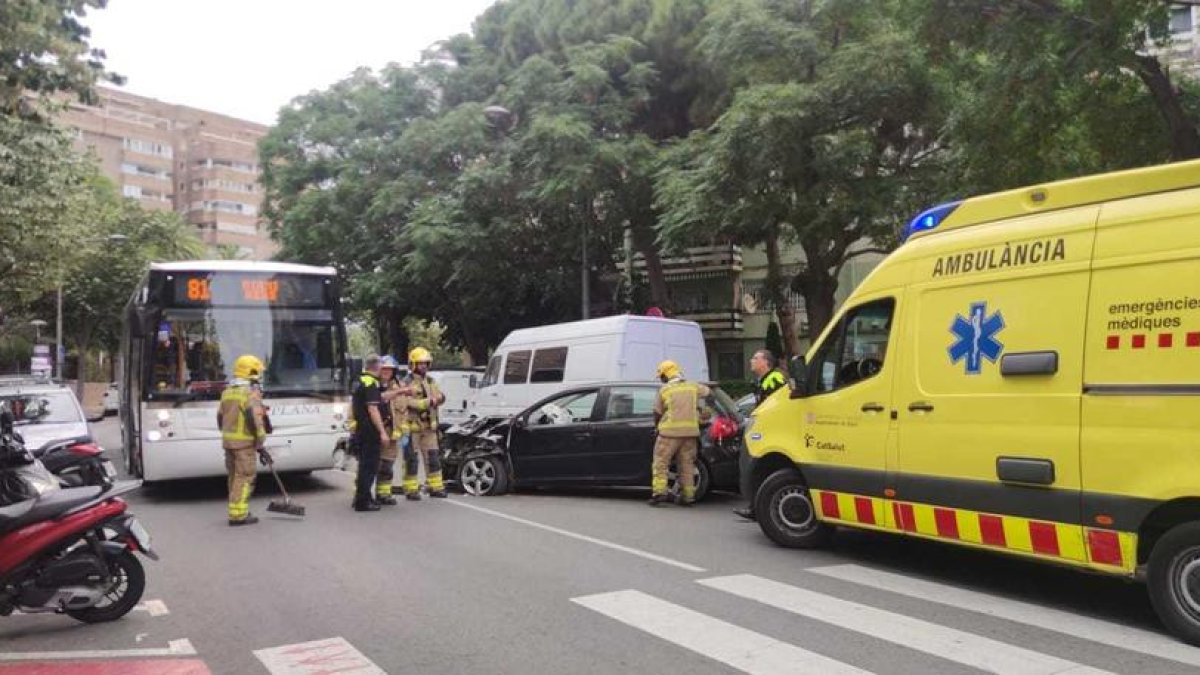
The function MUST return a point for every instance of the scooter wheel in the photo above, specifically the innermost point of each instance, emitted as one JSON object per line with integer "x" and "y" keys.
{"x": 127, "y": 589}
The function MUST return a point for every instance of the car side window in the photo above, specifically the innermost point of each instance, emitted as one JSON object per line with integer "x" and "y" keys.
{"x": 856, "y": 350}
{"x": 573, "y": 408}
{"x": 627, "y": 403}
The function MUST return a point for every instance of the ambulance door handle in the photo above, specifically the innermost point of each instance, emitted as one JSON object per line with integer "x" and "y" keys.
{"x": 920, "y": 406}
{"x": 872, "y": 408}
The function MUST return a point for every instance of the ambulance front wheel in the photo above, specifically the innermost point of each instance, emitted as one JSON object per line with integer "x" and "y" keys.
{"x": 785, "y": 512}
{"x": 1174, "y": 581}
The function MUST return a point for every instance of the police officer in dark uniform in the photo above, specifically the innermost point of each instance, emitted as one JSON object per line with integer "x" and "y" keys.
{"x": 371, "y": 432}
{"x": 770, "y": 379}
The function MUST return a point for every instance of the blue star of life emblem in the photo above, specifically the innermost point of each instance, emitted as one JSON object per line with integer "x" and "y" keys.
{"x": 976, "y": 338}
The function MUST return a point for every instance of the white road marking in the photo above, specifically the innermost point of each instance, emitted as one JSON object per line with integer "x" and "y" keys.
{"x": 732, "y": 645}
{"x": 321, "y": 656}
{"x": 582, "y": 537}
{"x": 174, "y": 648}
{"x": 948, "y": 643}
{"x": 1085, "y": 627}
{"x": 152, "y": 607}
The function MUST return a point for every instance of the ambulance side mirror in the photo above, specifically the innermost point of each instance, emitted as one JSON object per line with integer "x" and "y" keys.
{"x": 798, "y": 372}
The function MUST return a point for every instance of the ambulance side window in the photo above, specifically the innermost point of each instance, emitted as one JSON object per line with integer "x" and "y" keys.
{"x": 856, "y": 350}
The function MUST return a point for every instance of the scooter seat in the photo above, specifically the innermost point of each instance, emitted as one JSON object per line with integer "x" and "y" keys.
{"x": 46, "y": 507}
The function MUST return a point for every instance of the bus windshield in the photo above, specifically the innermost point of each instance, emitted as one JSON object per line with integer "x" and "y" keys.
{"x": 192, "y": 351}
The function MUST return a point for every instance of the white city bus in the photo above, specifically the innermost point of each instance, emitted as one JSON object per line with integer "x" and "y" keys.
{"x": 185, "y": 326}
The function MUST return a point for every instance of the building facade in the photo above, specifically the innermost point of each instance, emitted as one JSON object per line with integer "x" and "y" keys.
{"x": 723, "y": 288}
{"x": 200, "y": 164}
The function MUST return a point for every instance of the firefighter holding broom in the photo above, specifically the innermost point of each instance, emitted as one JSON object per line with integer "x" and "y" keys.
{"x": 242, "y": 422}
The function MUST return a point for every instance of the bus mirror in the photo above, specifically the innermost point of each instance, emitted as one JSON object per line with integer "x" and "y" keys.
{"x": 798, "y": 371}
{"x": 473, "y": 382}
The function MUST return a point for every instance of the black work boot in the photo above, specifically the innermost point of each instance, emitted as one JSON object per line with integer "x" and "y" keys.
{"x": 386, "y": 500}
{"x": 681, "y": 500}
{"x": 656, "y": 499}
{"x": 248, "y": 520}
{"x": 366, "y": 505}
{"x": 412, "y": 496}
{"x": 438, "y": 494}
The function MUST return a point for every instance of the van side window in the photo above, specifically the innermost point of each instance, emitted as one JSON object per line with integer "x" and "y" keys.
{"x": 549, "y": 365}
{"x": 516, "y": 368}
{"x": 855, "y": 351}
{"x": 492, "y": 376}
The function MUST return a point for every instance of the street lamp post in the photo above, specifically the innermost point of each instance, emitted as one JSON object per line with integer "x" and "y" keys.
{"x": 58, "y": 330}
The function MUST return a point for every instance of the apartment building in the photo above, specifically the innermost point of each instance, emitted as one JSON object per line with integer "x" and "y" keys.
{"x": 200, "y": 164}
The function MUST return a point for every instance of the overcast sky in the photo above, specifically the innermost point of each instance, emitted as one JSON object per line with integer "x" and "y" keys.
{"x": 247, "y": 58}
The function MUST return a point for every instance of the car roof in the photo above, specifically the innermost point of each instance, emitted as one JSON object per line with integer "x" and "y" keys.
{"x": 28, "y": 385}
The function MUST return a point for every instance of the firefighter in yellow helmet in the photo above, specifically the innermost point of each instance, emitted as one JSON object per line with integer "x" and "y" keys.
{"x": 243, "y": 426}
{"x": 395, "y": 424}
{"x": 421, "y": 405}
{"x": 677, "y": 411}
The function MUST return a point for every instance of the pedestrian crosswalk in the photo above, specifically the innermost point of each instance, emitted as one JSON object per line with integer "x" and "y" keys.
{"x": 756, "y": 652}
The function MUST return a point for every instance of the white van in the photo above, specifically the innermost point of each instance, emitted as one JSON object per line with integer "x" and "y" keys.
{"x": 533, "y": 363}
{"x": 455, "y": 383}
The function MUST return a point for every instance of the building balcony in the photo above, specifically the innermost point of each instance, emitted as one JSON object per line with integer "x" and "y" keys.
{"x": 715, "y": 323}
{"x": 699, "y": 262}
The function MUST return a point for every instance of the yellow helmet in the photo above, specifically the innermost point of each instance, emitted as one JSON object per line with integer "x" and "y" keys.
{"x": 248, "y": 367}
{"x": 419, "y": 355}
{"x": 669, "y": 370}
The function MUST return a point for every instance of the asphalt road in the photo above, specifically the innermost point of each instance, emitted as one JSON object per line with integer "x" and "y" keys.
{"x": 583, "y": 582}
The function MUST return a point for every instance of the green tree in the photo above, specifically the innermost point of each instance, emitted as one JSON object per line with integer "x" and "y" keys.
{"x": 828, "y": 140}
{"x": 44, "y": 50}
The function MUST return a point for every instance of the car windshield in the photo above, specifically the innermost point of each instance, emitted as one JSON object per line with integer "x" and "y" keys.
{"x": 51, "y": 407}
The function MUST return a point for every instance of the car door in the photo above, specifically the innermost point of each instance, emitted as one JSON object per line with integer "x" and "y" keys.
{"x": 623, "y": 434}
{"x": 552, "y": 441}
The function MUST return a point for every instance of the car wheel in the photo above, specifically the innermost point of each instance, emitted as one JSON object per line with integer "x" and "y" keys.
{"x": 1174, "y": 581}
{"x": 701, "y": 480}
{"x": 785, "y": 512}
{"x": 483, "y": 476}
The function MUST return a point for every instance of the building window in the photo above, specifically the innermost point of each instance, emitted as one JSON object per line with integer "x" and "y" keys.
{"x": 147, "y": 171}
{"x": 1181, "y": 20}
{"x": 234, "y": 228}
{"x": 225, "y": 207}
{"x": 148, "y": 147}
{"x": 131, "y": 191}
{"x": 731, "y": 366}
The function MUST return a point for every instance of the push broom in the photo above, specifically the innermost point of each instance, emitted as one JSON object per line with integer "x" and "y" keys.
{"x": 286, "y": 506}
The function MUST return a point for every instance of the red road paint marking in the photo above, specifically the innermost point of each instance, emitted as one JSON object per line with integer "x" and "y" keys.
{"x": 321, "y": 657}
{"x": 113, "y": 667}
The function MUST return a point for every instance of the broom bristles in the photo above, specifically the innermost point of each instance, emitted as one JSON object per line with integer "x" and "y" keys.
{"x": 290, "y": 509}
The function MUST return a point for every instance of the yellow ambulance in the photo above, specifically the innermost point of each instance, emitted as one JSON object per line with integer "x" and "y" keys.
{"x": 1021, "y": 375}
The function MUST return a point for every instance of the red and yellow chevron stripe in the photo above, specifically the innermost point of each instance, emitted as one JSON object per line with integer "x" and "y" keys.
{"x": 1092, "y": 547}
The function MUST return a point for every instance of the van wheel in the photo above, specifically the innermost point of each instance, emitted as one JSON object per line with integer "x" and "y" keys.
{"x": 1174, "y": 581}
{"x": 785, "y": 512}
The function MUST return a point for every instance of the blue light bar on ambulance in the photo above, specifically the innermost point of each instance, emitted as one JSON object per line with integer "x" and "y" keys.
{"x": 930, "y": 218}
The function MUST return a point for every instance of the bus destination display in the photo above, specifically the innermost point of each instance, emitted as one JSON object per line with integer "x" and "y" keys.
{"x": 222, "y": 289}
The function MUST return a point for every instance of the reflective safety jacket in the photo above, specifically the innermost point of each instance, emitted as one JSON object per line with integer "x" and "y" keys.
{"x": 770, "y": 382}
{"x": 421, "y": 405}
{"x": 677, "y": 408}
{"x": 240, "y": 418}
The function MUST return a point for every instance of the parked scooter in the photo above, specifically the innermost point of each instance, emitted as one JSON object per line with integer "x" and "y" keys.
{"x": 65, "y": 550}
{"x": 78, "y": 463}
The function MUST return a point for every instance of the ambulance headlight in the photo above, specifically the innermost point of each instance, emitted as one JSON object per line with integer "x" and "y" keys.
{"x": 154, "y": 436}
{"x": 164, "y": 416}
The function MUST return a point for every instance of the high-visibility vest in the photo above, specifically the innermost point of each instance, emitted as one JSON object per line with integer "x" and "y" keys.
{"x": 237, "y": 416}
{"x": 681, "y": 409}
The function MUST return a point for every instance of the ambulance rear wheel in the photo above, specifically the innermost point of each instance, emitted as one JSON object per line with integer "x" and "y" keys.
{"x": 785, "y": 512}
{"x": 1174, "y": 581}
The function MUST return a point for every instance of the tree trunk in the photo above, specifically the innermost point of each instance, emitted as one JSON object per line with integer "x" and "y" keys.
{"x": 1185, "y": 139}
{"x": 81, "y": 369}
{"x": 643, "y": 241}
{"x": 784, "y": 312}
{"x": 397, "y": 337}
{"x": 477, "y": 350}
{"x": 819, "y": 290}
